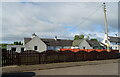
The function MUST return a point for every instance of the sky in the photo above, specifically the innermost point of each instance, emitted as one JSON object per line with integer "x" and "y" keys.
{"x": 61, "y": 19}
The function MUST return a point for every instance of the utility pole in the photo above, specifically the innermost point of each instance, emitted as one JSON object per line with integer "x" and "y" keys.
{"x": 106, "y": 27}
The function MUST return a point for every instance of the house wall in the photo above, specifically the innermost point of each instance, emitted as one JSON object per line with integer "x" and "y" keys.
{"x": 57, "y": 47}
{"x": 104, "y": 40}
{"x": 18, "y": 47}
{"x": 53, "y": 47}
{"x": 119, "y": 48}
{"x": 84, "y": 44}
{"x": 41, "y": 46}
{"x": 67, "y": 47}
{"x": 114, "y": 45}
{"x": 75, "y": 47}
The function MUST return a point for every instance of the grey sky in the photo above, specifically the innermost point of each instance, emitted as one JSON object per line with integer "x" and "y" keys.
{"x": 64, "y": 19}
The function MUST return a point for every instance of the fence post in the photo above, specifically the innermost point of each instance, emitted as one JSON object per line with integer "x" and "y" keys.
{"x": 45, "y": 58}
{"x": 74, "y": 57}
{"x": 39, "y": 58}
{"x": 18, "y": 59}
{"x": 58, "y": 57}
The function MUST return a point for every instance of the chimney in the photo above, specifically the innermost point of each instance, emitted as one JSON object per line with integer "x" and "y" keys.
{"x": 33, "y": 35}
{"x": 56, "y": 38}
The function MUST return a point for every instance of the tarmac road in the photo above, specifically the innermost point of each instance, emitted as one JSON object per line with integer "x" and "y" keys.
{"x": 101, "y": 69}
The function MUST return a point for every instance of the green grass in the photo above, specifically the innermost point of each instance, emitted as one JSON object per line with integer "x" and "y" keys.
{"x": 4, "y": 46}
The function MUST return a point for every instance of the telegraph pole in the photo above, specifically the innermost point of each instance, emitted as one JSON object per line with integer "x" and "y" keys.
{"x": 106, "y": 27}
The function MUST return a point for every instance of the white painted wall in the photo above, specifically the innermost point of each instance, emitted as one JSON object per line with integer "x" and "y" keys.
{"x": 84, "y": 44}
{"x": 36, "y": 42}
{"x": 104, "y": 40}
{"x": 54, "y": 47}
{"x": 67, "y": 47}
{"x": 57, "y": 47}
{"x": 75, "y": 47}
{"x": 50, "y": 48}
{"x": 18, "y": 47}
{"x": 114, "y": 45}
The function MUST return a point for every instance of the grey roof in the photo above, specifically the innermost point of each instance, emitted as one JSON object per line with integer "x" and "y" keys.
{"x": 53, "y": 42}
{"x": 114, "y": 39}
{"x": 26, "y": 40}
{"x": 58, "y": 42}
{"x": 93, "y": 43}
{"x": 77, "y": 42}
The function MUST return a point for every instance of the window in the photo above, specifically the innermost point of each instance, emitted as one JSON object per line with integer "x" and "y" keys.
{"x": 83, "y": 47}
{"x": 105, "y": 41}
{"x": 35, "y": 47}
{"x": 13, "y": 49}
{"x": 93, "y": 47}
{"x": 116, "y": 48}
{"x": 22, "y": 49}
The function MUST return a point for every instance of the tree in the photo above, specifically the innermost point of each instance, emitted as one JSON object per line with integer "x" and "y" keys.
{"x": 18, "y": 43}
{"x": 15, "y": 43}
{"x": 81, "y": 36}
{"x": 3, "y": 46}
{"x": 94, "y": 39}
{"x": 77, "y": 37}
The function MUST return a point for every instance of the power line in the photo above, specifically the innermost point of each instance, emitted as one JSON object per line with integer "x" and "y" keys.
{"x": 90, "y": 15}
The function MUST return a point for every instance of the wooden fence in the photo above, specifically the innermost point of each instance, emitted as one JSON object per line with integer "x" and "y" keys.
{"x": 33, "y": 57}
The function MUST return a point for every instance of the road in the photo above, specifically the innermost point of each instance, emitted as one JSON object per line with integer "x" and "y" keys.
{"x": 101, "y": 69}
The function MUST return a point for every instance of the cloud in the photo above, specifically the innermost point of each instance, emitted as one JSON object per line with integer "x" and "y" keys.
{"x": 59, "y": 0}
{"x": 21, "y": 19}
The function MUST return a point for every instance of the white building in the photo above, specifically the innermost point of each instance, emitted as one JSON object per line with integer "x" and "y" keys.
{"x": 35, "y": 43}
{"x": 87, "y": 44}
{"x": 41, "y": 44}
{"x": 17, "y": 48}
{"x": 114, "y": 42}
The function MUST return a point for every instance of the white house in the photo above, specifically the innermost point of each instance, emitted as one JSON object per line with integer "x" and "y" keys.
{"x": 17, "y": 48}
{"x": 35, "y": 43}
{"x": 41, "y": 44}
{"x": 87, "y": 44}
{"x": 113, "y": 41}
{"x": 75, "y": 44}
